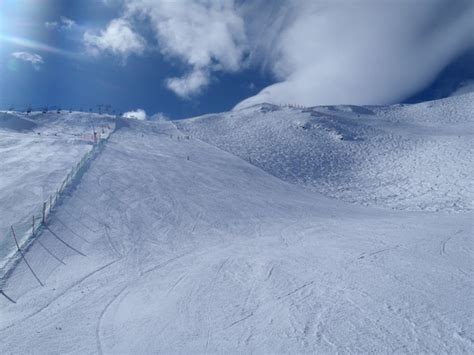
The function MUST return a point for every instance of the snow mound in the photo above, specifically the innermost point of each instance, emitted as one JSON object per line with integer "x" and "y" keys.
{"x": 15, "y": 122}
{"x": 411, "y": 157}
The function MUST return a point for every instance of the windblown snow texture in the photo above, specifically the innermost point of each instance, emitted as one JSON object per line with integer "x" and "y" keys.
{"x": 411, "y": 157}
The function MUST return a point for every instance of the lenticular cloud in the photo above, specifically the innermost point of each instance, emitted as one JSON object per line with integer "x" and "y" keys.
{"x": 366, "y": 52}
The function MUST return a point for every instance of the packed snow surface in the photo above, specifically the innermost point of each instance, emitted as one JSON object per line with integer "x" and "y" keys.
{"x": 170, "y": 244}
{"x": 36, "y": 153}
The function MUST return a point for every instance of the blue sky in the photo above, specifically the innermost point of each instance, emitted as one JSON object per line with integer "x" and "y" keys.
{"x": 78, "y": 80}
{"x": 189, "y": 57}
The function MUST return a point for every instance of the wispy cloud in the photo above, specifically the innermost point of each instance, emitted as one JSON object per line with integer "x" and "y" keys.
{"x": 118, "y": 38}
{"x": 138, "y": 114}
{"x": 63, "y": 23}
{"x": 51, "y": 25}
{"x": 67, "y": 22}
{"x": 35, "y": 59}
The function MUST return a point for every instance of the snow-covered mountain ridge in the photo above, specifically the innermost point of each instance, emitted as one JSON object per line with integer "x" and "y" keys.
{"x": 413, "y": 157}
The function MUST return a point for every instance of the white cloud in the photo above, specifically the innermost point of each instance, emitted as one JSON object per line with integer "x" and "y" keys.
{"x": 366, "y": 52}
{"x": 138, "y": 114}
{"x": 35, "y": 59}
{"x": 118, "y": 38}
{"x": 67, "y": 22}
{"x": 190, "y": 84}
{"x": 207, "y": 36}
{"x": 159, "y": 116}
{"x": 201, "y": 33}
{"x": 319, "y": 51}
{"x": 64, "y": 23}
{"x": 51, "y": 25}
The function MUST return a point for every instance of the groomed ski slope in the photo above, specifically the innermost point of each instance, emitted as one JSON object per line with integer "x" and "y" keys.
{"x": 37, "y": 151}
{"x": 190, "y": 249}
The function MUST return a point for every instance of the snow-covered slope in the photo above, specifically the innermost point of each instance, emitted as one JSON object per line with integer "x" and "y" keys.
{"x": 415, "y": 157}
{"x": 466, "y": 87}
{"x": 173, "y": 245}
{"x": 36, "y": 153}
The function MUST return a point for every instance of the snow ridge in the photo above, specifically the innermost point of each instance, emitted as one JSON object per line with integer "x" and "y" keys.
{"x": 410, "y": 157}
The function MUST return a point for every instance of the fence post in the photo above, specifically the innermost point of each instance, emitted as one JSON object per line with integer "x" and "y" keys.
{"x": 33, "y": 226}
{"x": 62, "y": 241}
{"x": 7, "y": 297}
{"x": 44, "y": 212}
{"x": 23, "y": 256}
